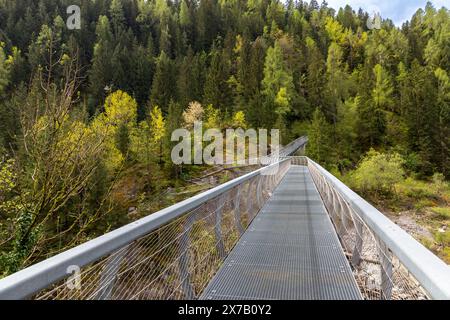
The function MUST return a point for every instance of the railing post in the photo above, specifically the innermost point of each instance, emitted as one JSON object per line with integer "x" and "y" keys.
{"x": 237, "y": 211}
{"x": 357, "y": 250}
{"x": 258, "y": 192}
{"x": 109, "y": 274}
{"x": 218, "y": 227}
{"x": 386, "y": 271}
{"x": 338, "y": 206}
{"x": 184, "y": 258}
{"x": 250, "y": 196}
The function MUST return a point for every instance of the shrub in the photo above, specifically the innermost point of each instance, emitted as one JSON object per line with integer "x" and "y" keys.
{"x": 378, "y": 172}
{"x": 441, "y": 186}
{"x": 411, "y": 162}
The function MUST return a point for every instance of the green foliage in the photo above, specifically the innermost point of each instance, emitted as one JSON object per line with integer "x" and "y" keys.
{"x": 23, "y": 243}
{"x": 417, "y": 189}
{"x": 300, "y": 128}
{"x": 4, "y": 73}
{"x": 239, "y": 120}
{"x": 157, "y": 132}
{"x": 116, "y": 124}
{"x": 277, "y": 85}
{"x": 101, "y": 71}
{"x": 443, "y": 238}
{"x": 122, "y": 138}
{"x": 382, "y": 91}
{"x": 163, "y": 83}
{"x": 212, "y": 116}
{"x": 319, "y": 146}
{"x": 217, "y": 90}
{"x": 378, "y": 173}
{"x": 442, "y": 212}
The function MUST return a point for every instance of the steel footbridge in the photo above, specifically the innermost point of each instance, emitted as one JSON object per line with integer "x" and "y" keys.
{"x": 289, "y": 230}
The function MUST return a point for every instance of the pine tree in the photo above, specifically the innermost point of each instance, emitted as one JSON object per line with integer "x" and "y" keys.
{"x": 443, "y": 127}
{"x": 165, "y": 37}
{"x": 217, "y": 90}
{"x": 117, "y": 15}
{"x": 101, "y": 73}
{"x": 383, "y": 89}
{"x": 122, "y": 139}
{"x": 319, "y": 144}
{"x": 371, "y": 117}
{"x": 141, "y": 76}
{"x": 185, "y": 17}
{"x": 4, "y": 72}
{"x": 278, "y": 87}
{"x": 315, "y": 80}
{"x": 174, "y": 121}
{"x": 337, "y": 86}
{"x": 313, "y": 5}
{"x": 207, "y": 23}
{"x": 187, "y": 80}
{"x": 421, "y": 116}
{"x": 253, "y": 84}
{"x": 163, "y": 86}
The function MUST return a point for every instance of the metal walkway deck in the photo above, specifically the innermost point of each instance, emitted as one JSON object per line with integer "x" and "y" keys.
{"x": 290, "y": 251}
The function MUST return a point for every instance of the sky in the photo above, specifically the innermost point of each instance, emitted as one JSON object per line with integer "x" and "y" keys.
{"x": 398, "y": 11}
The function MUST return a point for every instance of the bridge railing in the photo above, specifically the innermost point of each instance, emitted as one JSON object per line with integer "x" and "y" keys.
{"x": 171, "y": 254}
{"x": 293, "y": 147}
{"x": 284, "y": 152}
{"x": 387, "y": 262}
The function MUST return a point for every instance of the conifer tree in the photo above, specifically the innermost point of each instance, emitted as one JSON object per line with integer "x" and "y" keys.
{"x": 101, "y": 73}
{"x": 4, "y": 72}
{"x": 163, "y": 86}
{"x": 217, "y": 90}
{"x": 277, "y": 85}
{"x": 319, "y": 145}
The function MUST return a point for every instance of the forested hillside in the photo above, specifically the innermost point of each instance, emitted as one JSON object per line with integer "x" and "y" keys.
{"x": 85, "y": 113}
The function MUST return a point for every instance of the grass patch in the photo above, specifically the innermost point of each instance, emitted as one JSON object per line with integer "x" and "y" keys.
{"x": 427, "y": 242}
{"x": 443, "y": 238}
{"x": 417, "y": 189}
{"x": 446, "y": 255}
{"x": 442, "y": 212}
{"x": 424, "y": 203}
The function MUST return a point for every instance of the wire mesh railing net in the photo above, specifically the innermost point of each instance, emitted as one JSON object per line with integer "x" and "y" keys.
{"x": 177, "y": 260}
{"x": 378, "y": 272}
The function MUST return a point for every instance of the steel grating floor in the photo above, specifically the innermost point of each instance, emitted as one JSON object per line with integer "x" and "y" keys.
{"x": 289, "y": 252}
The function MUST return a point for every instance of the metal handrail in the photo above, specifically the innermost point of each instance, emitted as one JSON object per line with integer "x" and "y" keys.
{"x": 430, "y": 271}
{"x": 35, "y": 278}
{"x": 292, "y": 147}
{"x": 286, "y": 151}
